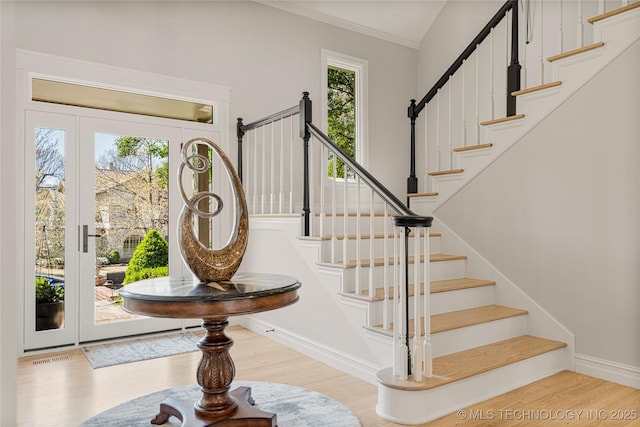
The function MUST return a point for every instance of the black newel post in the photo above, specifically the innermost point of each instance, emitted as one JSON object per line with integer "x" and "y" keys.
{"x": 412, "y": 181}
{"x": 305, "y": 118}
{"x": 240, "y": 134}
{"x": 513, "y": 71}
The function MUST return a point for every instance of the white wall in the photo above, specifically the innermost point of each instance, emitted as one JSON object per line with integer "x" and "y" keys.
{"x": 8, "y": 232}
{"x": 559, "y": 214}
{"x": 267, "y": 56}
{"x": 457, "y": 24}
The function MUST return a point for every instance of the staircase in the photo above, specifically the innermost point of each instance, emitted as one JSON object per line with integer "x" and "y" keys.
{"x": 613, "y": 32}
{"x": 485, "y": 336}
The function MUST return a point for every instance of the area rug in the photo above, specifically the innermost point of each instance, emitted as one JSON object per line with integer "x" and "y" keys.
{"x": 101, "y": 355}
{"x": 294, "y": 406}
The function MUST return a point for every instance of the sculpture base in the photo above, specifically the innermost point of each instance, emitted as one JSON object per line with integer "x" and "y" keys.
{"x": 246, "y": 415}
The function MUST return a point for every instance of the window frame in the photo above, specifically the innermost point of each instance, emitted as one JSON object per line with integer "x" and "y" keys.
{"x": 360, "y": 68}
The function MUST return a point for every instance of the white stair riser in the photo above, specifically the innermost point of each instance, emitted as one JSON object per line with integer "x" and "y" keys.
{"x": 441, "y": 270}
{"x": 461, "y": 339}
{"x": 447, "y": 183}
{"x": 418, "y": 407}
{"x": 455, "y": 340}
{"x": 442, "y": 302}
{"x": 335, "y": 248}
{"x": 336, "y": 225}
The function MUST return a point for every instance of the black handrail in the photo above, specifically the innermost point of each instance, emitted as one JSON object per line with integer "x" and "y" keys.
{"x": 497, "y": 18}
{"x": 242, "y": 128}
{"x": 406, "y": 218}
{"x": 364, "y": 174}
{"x": 513, "y": 79}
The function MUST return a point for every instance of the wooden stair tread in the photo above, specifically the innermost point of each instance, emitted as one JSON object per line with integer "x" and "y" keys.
{"x": 351, "y": 263}
{"x": 436, "y": 287}
{"x": 536, "y": 88}
{"x": 448, "y": 172}
{"x": 428, "y": 194}
{"x": 472, "y": 316}
{"x": 458, "y": 284}
{"x": 465, "y": 364}
{"x": 502, "y": 120}
{"x": 472, "y": 147}
{"x": 613, "y": 12}
{"x": 461, "y": 319}
{"x": 575, "y": 51}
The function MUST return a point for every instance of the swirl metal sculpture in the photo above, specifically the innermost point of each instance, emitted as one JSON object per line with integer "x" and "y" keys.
{"x": 211, "y": 265}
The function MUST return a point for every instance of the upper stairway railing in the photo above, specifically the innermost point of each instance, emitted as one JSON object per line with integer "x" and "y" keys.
{"x": 383, "y": 246}
{"x": 514, "y": 49}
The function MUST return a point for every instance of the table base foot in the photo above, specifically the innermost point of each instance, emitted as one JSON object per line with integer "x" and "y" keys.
{"x": 246, "y": 414}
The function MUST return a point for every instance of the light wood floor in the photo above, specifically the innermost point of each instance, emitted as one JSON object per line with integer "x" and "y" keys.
{"x": 61, "y": 389}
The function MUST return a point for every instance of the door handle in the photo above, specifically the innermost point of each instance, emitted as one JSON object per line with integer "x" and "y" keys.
{"x": 85, "y": 238}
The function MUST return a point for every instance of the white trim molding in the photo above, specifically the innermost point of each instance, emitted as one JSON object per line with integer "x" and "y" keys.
{"x": 608, "y": 370}
{"x": 361, "y": 68}
{"x": 359, "y": 368}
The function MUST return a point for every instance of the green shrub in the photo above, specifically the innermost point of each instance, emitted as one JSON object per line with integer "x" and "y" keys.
{"x": 45, "y": 293}
{"x": 146, "y": 273}
{"x": 152, "y": 252}
{"x": 114, "y": 257}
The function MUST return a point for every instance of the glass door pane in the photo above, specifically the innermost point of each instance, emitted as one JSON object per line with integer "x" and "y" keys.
{"x": 50, "y": 291}
{"x": 124, "y": 214}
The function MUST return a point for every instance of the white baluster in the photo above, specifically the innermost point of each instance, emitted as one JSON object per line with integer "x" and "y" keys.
{"x": 255, "y": 175}
{"x": 580, "y": 27}
{"x": 438, "y": 142}
{"x": 291, "y": 168}
{"x": 560, "y": 33}
{"x": 371, "y": 246}
{"x": 450, "y": 124}
{"x": 541, "y": 41}
{"x": 491, "y": 72}
{"x": 281, "y": 195}
{"x": 401, "y": 352}
{"x": 272, "y": 179}
{"x": 463, "y": 102}
{"x": 601, "y": 7}
{"x": 417, "y": 312}
{"x": 385, "y": 269}
{"x": 427, "y": 352}
{"x": 334, "y": 212}
{"x": 345, "y": 217}
{"x": 477, "y": 94}
{"x": 264, "y": 172}
{"x": 358, "y": 238}
{"x": 323, "y": 156}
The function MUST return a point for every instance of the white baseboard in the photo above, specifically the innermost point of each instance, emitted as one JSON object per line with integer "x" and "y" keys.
{"x": 608, "y": 370}
{"x": 358, "y": 368}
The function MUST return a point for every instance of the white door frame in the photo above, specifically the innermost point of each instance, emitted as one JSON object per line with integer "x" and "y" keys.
{"x": 35, "y": 65}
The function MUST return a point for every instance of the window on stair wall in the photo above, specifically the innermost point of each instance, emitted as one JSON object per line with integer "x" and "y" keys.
{"x": 344, "y": 106}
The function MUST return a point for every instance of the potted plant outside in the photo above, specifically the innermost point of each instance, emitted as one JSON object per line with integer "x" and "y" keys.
{"x": 49, "y": 304}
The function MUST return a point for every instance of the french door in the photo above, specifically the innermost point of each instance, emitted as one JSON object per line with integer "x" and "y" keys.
{"x": 102, "y": 186}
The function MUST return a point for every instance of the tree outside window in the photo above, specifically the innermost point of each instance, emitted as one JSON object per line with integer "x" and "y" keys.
{"x": 341, "y": 116}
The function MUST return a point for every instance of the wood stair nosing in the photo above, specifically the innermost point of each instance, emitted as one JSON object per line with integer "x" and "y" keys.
{"x": 614, "y": 12}
{"x": 502, "y": 120}
{"x": 462, "y": 318}
{"x": 375, "y": 236}
{"x": 427, "y": 194}
{"x": 438, "y": 286}
{"x": 536, "y": 88}
{"x": 479, "y": 360}
{"x": 352, "y": 263}
{"x": 575, "y": 51}
{"x": 447, "y": 172}
{"x": 472, "y": 147}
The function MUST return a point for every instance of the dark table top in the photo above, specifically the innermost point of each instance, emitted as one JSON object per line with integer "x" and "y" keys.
{"x": 187, "y": 297}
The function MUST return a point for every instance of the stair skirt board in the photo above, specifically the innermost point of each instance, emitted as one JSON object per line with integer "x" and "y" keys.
{"x": 413, "y": 407}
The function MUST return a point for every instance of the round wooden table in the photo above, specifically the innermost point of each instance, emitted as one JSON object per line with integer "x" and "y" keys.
{"x": 186, "y": 298}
